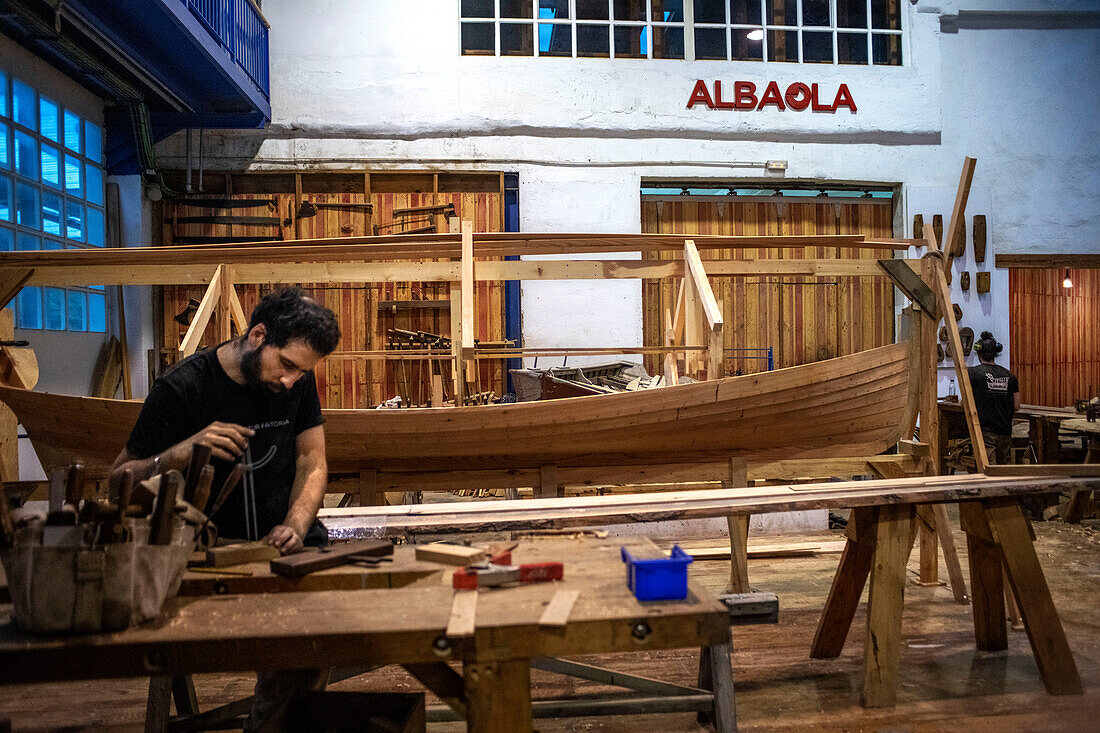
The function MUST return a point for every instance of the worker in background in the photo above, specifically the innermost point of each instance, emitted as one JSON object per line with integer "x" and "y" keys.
{"x": 251, "y": 399}
{"x": 996, "y": 396}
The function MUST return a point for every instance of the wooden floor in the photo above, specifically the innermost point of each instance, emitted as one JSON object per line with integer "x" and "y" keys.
{"x": 944, "y": 683}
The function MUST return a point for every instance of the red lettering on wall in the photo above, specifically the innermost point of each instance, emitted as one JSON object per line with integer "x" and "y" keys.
{"x": 813, "y": 101}
{"x": 745, "y": 96}
{"x": 772, "y": 96}
{"x": 844, "y": 99}
{"x": 798, "y": 96}
{"x": 700, "y": 95}
{"x": 718, "y": 103}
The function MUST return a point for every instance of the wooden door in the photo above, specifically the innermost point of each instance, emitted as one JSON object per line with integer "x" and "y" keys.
{"x": 802, "y": 319}
{"x": 1054, "y": 333}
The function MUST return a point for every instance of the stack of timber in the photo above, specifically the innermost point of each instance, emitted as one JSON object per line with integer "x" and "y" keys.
{"x": 530, "y": 514}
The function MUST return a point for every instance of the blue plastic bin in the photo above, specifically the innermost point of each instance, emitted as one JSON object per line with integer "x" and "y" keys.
{"x": 658, "y": 579}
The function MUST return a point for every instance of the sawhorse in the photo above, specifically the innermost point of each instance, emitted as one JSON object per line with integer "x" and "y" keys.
{"x": 1000, "y": 546}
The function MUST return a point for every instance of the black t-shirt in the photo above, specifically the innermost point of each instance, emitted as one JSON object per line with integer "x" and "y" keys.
{"x": 198, "y": 392}
{"x": 994, "y": 387}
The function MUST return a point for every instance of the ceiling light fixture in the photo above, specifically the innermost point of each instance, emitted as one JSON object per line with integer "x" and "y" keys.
{"x": 1067, "y": 283}
{"x": 755, "y": 35}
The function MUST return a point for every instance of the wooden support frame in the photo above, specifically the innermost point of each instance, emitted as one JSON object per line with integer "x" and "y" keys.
{"x": 702, "y": 314}
{"x": 879, "y": 539}
{"x": 962, "y": 376}
{"x": 203, "y": 314}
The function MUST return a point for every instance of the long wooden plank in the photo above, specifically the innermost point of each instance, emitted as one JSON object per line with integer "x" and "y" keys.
{"x": 199, "y": 321}
{"x": 1048, "y": 262}
{"x": 496, "y": 244}
{"x": 594, "y": 510}
{"x": 171, "y": 273}
{"x": 958, "y": 212}
{"x": 962, "y": 376}
{"x": 702, "y": 286}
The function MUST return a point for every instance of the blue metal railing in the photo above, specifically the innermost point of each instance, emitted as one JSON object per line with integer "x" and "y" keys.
{"x": 240, "y": 28}
{"x": 764, "y": 353}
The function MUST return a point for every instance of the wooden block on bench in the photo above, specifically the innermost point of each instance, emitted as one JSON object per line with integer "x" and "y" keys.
{"x": 448, "y": 554}
{"x": 237, "y": 554}
{"x": 308, "y": 561}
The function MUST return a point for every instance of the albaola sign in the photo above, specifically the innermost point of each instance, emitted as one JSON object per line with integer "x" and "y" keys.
{"x": 797, "y": 96}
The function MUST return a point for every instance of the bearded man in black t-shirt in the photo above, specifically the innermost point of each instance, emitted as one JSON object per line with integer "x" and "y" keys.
{"x": 996, "y": 397}
{"x": 255, "y": 392}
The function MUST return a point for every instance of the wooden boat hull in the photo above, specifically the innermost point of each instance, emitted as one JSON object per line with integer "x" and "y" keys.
{"x": 853, "y": 405}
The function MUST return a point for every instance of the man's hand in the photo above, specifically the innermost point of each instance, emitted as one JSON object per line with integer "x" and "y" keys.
{"x": 227, "y": 441}
{"x": 285, "y": 538}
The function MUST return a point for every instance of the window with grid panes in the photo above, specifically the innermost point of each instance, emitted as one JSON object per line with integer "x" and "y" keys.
{"x": 860, "y": 32}
{"x": 52, "y": 193}
{"x": 634, "y": 29}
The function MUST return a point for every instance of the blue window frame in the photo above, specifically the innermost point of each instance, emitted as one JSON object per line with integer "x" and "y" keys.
{"x": 52, "y": 195}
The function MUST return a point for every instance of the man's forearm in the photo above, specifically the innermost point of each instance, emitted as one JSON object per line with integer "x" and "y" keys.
{"x": 307, "y": 494}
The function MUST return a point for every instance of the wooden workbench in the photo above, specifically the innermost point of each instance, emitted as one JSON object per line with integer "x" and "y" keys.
{"x": 345, "y": 628}
{"x": 1043, "y": 425}
{"x": 881, "y": 534}
{"x": 1079, "y": 501}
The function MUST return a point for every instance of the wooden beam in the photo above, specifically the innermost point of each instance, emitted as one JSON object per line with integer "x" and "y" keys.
{"x": 11, "y": 282}
{"x": 467, "y": 282}
{"x": 882, "y": 642}
{"x": 958, "y": 213}
{"x": 622, "y": 508}
{"x": 738, "y": 525}
{"x": 698, "y": 276}
{"x": 962, "y": 376}
{"x": 271, "y": 270}
{"x": 1049, "y": 262}
{"x": 202, "y": 315}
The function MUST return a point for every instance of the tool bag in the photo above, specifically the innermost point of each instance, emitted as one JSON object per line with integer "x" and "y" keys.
{"x": 79, "y": 589}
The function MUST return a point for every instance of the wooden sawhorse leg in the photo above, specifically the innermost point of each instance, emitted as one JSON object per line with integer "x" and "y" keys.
{"x": 498, "y": 696}
{"x": 997, "y": 533}
{"x": 879, "y": 543}
{"x": 716, "y": 675}
{"x": 163, "y": 689}
{"x": 935, "y": 529}
{"x": 738, "y": 530}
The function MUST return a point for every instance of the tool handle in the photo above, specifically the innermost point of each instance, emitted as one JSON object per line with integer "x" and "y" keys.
{"x": 164, "y": 508}
{"x": 125, "y": 491}
{"x": 200, "y": 456}
{"x": 231, "y": 482}
{"x": 202, "y": 490}
{"x": 7, "y": 525}
{"x": 541, "y": 572}
{"x": 74, "y": 484}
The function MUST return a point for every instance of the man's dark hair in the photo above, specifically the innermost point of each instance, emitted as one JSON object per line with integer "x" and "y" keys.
{"x": 291, "y": 314}
{"x": 987, "y": 347}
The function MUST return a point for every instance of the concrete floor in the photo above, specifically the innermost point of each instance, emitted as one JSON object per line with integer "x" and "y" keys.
{"x": 944, "y": 683}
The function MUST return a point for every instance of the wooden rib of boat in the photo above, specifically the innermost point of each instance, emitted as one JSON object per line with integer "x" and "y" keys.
{"x": 854, "y": 405}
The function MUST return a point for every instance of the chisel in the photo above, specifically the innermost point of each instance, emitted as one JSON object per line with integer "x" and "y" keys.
{"x": 200, "y": 456}
{"x": 164, "y": 508}
{"x": 202, "y": 489}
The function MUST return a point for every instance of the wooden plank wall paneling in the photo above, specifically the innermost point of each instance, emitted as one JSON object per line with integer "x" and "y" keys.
{"x": 1054, "y": 334}
{"x": 354, "y": 381}
{"x": 803, "y": 319}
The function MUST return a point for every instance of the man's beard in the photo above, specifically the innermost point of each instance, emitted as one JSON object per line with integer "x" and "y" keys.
{"x": 250, "y": 368}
